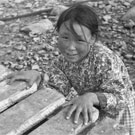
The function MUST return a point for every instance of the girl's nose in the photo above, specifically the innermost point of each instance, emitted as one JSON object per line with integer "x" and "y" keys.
{"x": 72, "y": 46}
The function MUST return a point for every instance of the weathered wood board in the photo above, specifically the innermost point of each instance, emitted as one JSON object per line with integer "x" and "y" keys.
{"x": 5, "y": 89}
{"x": 58, "y": 125}
{"x": 19, "y": 113}
{"x": 4, "y": 72}
{"x": 8, "y": 90}
{"x": 107, "y": 127}
{"x": 30, "y": 107}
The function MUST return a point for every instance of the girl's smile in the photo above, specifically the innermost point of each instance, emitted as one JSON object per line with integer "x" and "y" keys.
{"x": 71, "y": 57}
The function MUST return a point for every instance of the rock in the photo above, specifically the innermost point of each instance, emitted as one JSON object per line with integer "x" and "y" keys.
{"x": 127, "y": 4}
{"x": 14, "y": 27}
{"x": 2, "y": 23}
{"x": 57, "y": 10}
{"x": 129, "y": 24}
{"x": 3, "y": 69}
{"x": 130, "y": 14}
{"x": 41, "y": 52}
{"x": 13, "y": 14}
{"x": 47, "y": 47}
{"x": 1, "y": 12}
{"x": 18, "y": 67}
{"x": 46, "y": 78}
{"x": 18, "y": 1}
{"x": 106, "y": 18}
{"x": 91, "y": 4}
{"x": 86, "y": 1}
{"x": 51, "y": 3}
{"x": 108, "y": 7}
{"x": 95, "y": 4}
{"x": 128, "y": 56}
{"x": 112, "y": 3}
{"x": 133, "y": 2}
{"x": 35, "y": 67}
{"x": 3, "y": 1}
{"x": 32, "y": 61}
{"x": 28, "y": 5}
{"x": 101, "y": 6}
{"x": 36, "y": 57}
{"x": 38, "y": 28}
{"x": 20, "y": 48}
{"x": 36, "y": 39}
{"x": 20, "y": 58}
{"x": 9, "y": 51}
{"x": 56, "y": 53}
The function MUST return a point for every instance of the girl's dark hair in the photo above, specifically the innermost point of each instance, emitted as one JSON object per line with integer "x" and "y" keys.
{"x": 81, "y": 14}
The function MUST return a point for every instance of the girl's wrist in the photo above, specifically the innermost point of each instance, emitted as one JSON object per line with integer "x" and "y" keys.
{"x": 102, "y": 100}
{"x": 41, "y": 80}
{"x": 94, "y": 98}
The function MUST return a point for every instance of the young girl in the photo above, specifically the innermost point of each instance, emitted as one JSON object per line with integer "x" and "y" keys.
{"x": 89, "y": 68}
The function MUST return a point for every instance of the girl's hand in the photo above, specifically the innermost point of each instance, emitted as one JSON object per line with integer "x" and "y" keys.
{"x": 29, "y": 77}
{"x": 83, "y": 105}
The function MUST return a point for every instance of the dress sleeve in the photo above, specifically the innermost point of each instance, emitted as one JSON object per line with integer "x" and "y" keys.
{"x": 57, "y": 77}
{"x": 114, "y": 84}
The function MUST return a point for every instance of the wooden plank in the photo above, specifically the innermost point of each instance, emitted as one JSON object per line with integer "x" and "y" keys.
{"x": 37, "y": 118}
{"x": 38, "y": 11}
{"x": 7, "y": 90}
{"x": 16, "y": 97}
{"x": 58, "y": 125}
{"x": 108, "y": 127}
{"x": 19, "y": 113}
{"x": 4, "y": 72}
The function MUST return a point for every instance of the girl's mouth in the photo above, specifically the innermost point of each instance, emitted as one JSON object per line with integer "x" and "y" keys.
{"x": 71, "y": 55}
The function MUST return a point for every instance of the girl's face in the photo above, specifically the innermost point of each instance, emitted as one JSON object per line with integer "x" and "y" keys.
{"x": 74, "y": 49}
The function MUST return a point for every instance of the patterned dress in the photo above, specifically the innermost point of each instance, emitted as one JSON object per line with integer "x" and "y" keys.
{"x": 104, "y": 75}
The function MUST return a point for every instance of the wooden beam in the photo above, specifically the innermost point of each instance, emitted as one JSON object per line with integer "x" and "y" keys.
{"x": 16, "y": 97}
{"x": 4, "y": 72}
{"x": 24, "y": 110}
{"x": 58, "y": 125}
{"x": 37, "y": 118}
{"x": 7, "y": 90}
{"x": 108, "y": 127}
{"x": 37, "y": 12}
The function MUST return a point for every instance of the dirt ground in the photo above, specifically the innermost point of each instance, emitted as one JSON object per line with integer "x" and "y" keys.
{"x": 23, "y": 48}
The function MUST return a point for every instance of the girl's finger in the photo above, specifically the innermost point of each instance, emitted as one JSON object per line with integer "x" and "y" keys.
{"x": 38, "y": 79}
{"x": 85, "y": 116}
{"x": 90, "y": 113}
{"x": 18, "y": 78}
{"x": 10, "y": 81}
{"x": 71, "y": 110}
{"x": 77, "y": 114}
{"x": 11, "y": 75}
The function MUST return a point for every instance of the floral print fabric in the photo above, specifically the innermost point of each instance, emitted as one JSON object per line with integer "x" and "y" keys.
{"x": 105, "y": 75}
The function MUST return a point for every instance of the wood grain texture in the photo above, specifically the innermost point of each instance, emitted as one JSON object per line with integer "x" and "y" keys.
{"x": 16, "y": 97}
{"x": 37, "y": 118}
{"x": 107, "y": 127}
{"x": 7, "y": 90}
{"x": 58, "y": 125}
{"x": 19, "y": 113}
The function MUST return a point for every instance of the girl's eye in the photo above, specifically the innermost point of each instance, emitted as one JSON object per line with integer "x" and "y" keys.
{"x": 81, "y": 40}
{"x": 65, "y": 37}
